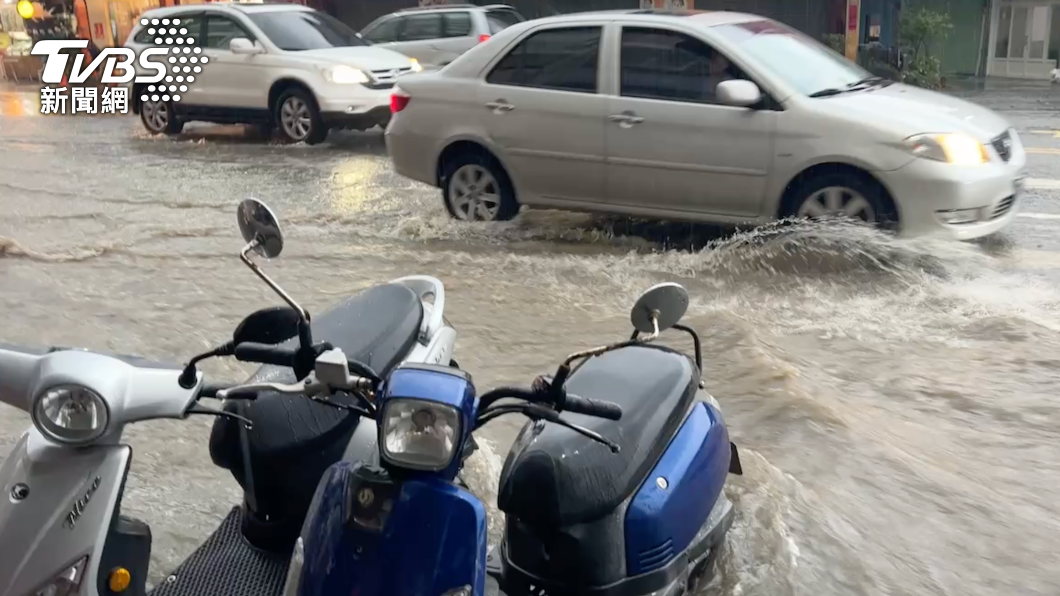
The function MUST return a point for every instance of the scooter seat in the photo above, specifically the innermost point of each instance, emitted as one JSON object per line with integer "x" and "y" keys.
{"x": 555, "y": 477}
{"x": 294, "y": 439}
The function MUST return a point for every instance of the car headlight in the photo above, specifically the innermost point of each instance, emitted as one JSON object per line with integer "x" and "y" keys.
{"x": 345, "y": 75}
{"x": 70, "y": 414}
{"x": 67, "y": 582}
{"x": 419, "y": 434}
{"x": 954, "y": 148}
{"x": 416, "y": 67}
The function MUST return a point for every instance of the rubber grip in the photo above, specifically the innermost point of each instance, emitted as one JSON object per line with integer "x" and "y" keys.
{"x": 264, "y": 354}
{"x": 592, "y": 407}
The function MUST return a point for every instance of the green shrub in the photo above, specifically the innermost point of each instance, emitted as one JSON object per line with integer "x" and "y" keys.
{"x": 919, "y": 30}
{"x": 923, "y": 71}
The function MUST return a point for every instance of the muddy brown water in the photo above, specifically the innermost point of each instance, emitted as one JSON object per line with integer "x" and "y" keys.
{"x": 895, "y": 400}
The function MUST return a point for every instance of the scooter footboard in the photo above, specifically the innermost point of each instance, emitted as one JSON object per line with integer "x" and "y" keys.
{"x": 372, "y": 535}
{"x": 226, "y": 565}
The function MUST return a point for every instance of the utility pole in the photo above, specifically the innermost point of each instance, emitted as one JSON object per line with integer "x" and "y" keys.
{"x": 853, "y": 28}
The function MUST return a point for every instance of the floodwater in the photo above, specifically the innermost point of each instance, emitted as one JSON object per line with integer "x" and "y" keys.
{"x": 895, "y": 401}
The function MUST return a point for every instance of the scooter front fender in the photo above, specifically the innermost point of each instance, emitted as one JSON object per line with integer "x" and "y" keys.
{"x": 432, "y": 538}
{"x": 56, "y": 507}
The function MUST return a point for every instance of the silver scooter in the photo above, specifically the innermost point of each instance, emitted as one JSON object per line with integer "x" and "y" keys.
{"x": 60, "y": 507}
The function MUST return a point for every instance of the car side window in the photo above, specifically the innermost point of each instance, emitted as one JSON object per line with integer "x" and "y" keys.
{"x": 663, "y": 64}
{"x": 193, "y": 24}
{"x": 220, "y": 31}
{"x": 144, "y": 36}
{"x": 384, "y": 32}
{"x": 456, "y": 24}
{"x": 421, "y": 27}
{"x": 565, "y": 59}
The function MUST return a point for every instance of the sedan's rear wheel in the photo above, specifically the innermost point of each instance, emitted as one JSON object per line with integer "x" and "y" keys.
{"x": 476, "y": 188}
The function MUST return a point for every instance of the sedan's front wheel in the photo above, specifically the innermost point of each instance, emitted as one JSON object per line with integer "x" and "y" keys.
{"x": 299, "y": 118}
{"x": 843, "y": 195}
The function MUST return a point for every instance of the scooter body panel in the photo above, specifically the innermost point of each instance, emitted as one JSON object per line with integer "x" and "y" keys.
{"x": 417, "y": 536}
{"x": 678, "y": 495}
{"x": 66, "y": 512}
{"x": 656, "y": 541}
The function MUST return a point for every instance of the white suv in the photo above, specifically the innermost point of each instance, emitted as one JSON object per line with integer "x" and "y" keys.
{"x": 275, "y": 65}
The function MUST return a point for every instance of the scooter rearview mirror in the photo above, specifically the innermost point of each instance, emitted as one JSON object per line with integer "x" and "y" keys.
{"x": 261, "y": 231}
{"x": 260, "y": 228}
{"x": 659, "y": 308}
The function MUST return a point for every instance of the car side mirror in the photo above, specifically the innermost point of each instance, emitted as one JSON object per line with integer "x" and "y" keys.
{"x": 738, "y": 93}
{"x": 242, "y": 45}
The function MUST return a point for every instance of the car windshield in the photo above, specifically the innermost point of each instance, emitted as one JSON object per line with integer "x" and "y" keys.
{"x": 798, "y": 60}
{"x": 296, "y": 31}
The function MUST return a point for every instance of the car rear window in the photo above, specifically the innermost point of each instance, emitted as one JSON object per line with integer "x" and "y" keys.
{"x": 563, "y": 59}
{"x": 500, "y": 19}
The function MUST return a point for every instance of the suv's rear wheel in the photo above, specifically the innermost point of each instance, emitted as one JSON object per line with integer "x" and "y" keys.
{"x": 158, "y": 117}
{"x": 299, "y": 118}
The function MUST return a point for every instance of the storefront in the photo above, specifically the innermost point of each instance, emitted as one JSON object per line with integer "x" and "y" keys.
{"x": 110, "y": 21}
{"x": 1024, "y": 39}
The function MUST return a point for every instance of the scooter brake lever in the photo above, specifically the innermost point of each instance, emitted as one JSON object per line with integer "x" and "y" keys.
{"x": 537, "y": 412}
{"x": 292, "y": 389}
{"x": 201, "y": 409}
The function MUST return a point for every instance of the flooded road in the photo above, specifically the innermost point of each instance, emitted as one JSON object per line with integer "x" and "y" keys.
{"x": 895, "y": 400}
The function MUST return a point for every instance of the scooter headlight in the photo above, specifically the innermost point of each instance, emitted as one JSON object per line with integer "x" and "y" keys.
{"x": 419, "y": 434}
{"x": 67, "y": 582}
{"x": 70, "y": 414}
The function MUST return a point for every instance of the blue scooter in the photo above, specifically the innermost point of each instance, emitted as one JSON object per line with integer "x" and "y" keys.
{"x": 622, "y": 498}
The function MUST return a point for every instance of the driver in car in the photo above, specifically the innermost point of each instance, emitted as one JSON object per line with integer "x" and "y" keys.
{"x": 720, "y": 71}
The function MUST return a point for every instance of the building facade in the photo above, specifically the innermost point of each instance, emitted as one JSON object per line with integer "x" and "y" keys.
{"x": 1024, "y": 38}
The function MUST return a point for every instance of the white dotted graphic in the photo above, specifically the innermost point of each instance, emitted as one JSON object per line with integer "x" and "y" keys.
{"x": 169, "y": 33}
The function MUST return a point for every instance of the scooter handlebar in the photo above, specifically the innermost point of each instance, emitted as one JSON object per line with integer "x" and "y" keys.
{"x": 265, "y": 354}
{"x": 571, "y": 402}
{"x": 592, "y": 407}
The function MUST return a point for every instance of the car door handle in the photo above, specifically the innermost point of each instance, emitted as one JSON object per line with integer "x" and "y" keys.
{"x": 626, "y": 119}
{"x": 500, "y": 106}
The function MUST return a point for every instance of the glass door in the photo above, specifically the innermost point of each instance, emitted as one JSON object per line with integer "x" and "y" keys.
{"x": 1053, "y": 47}
{"x": 1023, "y": 45}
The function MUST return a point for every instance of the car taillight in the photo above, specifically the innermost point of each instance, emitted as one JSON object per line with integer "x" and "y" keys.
{"x": 398, "y": 101}
{"x": 483, "y": 37}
